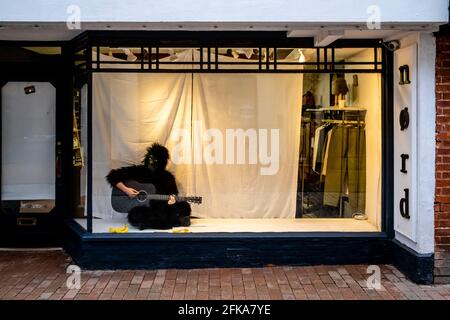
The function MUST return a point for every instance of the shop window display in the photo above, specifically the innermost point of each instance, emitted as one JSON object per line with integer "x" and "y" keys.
{"x": 264, "y": 152}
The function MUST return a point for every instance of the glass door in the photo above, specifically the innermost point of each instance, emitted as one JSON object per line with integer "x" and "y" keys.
{"x": 28, "y": 150}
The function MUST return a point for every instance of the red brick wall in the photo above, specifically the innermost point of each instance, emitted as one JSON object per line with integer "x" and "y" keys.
{"x": 442, "y": 198}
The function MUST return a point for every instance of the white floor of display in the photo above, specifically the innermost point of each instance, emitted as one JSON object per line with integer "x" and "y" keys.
{"x": 248, "y": 225}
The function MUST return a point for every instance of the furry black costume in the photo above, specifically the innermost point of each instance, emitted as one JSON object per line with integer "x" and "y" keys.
{"x": 159, "y": 214}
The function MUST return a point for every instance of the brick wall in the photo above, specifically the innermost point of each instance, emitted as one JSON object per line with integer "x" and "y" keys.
{"x": 442, "y": 198}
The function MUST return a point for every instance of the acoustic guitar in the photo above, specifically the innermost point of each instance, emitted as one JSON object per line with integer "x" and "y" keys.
{"x": 121, "y": 202}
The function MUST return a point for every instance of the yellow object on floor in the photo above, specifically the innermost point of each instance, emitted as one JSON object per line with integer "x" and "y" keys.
{"x": 184, "y": 230}
{"x": 122, "y": 229}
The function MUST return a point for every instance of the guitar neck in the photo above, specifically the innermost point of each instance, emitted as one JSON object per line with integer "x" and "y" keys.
{"x": 166, "y": 197}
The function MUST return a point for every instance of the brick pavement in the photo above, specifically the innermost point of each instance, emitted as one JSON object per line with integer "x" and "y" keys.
{"x": 42, "y": 275}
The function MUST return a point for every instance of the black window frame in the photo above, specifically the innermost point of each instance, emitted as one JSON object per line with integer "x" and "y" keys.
{"x": 89, "y": 40}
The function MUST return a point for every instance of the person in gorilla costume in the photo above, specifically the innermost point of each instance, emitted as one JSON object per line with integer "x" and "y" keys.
{"x": 158, "y": 214}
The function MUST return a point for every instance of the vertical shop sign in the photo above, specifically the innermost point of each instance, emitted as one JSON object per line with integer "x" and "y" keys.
{"x": 405, "y": 142}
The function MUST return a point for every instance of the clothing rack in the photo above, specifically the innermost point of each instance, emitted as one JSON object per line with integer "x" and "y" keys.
{"x": 345, "y": 109}
{"x": 335, "y": 115}
{"x": 340, "y": 121}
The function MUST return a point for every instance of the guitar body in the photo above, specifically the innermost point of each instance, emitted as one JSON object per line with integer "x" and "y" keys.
{"x": 121, "y": 202}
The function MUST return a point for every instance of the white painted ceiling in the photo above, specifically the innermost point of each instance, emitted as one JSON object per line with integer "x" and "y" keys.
{"x": 59, "y": 31}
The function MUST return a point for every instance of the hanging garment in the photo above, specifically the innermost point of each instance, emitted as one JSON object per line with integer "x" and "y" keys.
{"x": 336, "y": 164}
{"x": 319, "y": 144}
{"x": 317, "y": 139}
{"x": 346, "y": 170}
{"x": 327, "y": 150}
{"x": 356, "y": 171}
{"x": 305, "y": 146}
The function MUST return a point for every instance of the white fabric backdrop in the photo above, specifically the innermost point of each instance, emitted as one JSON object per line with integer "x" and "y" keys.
{"x": 130, "y": 111}
{"x": 28, "y": 141}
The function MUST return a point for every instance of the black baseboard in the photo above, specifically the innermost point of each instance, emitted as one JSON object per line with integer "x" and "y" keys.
{"x": 417, "y": 267}
{"x": 237, "y": 253}
{"x": 156, "y": 251}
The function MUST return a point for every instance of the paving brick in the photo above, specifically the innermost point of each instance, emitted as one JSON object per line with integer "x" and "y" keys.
{"x": 154, "y": 296}
{"x": 119, "y": 293}
{"x": 179, "y": 291}
{"x": 311, "y": 292}
{"x": 131, "y": 292}
{"x": 335, "y": 291}
{"x": 275, "y": 294}
{"x": 202, "y": 295}
{"x": 300, "y": 294}
{"x": 70, "y": 294}
{"x": 137, "y": 279}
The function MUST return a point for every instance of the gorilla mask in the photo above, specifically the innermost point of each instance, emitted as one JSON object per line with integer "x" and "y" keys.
{"x": 156, "y": 157}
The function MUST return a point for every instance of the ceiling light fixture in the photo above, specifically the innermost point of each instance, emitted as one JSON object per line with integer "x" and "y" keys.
{"x": 130, "y": 55}
{"x": 248, "y": 52}
{"x": 172, "y": 55}
{"x": 301, "y": 57}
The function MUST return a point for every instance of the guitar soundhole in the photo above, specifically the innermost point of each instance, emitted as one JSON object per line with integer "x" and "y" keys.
{"x": 142, "y": 196}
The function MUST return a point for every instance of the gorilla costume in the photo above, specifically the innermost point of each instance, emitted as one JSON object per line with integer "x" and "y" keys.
{"x": 159, "y": 214}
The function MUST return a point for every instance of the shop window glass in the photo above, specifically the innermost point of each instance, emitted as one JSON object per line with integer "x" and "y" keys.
{"x": 305, "y": 166}
{"x": 28, "y": 148}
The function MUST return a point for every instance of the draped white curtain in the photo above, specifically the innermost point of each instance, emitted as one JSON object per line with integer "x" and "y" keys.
{"x": 133, "y": 110}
